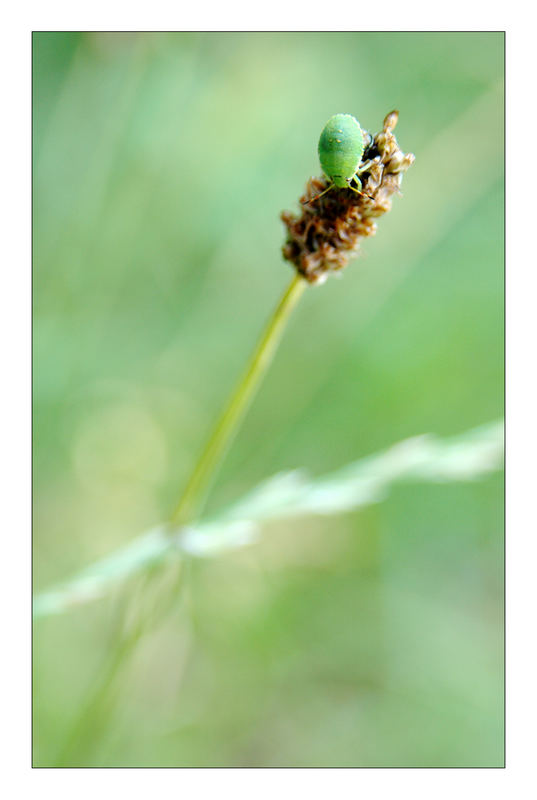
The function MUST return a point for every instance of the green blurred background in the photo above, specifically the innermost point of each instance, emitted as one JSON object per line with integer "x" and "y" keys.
{"x": 161, "y": 164}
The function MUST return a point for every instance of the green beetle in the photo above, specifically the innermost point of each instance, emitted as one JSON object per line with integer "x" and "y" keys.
{"x": 341, "y": 148}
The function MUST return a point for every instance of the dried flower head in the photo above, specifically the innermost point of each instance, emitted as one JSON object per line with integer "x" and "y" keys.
{"x": 326, "y": 235}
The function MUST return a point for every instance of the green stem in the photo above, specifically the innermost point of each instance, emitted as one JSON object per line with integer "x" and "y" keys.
{"x": 94, "y": 716}
{"x": 197, "y": 487}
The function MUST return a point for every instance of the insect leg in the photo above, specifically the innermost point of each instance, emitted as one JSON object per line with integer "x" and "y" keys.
{"x": 365, "y": 167}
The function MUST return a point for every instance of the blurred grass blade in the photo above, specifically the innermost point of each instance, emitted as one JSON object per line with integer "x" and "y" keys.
{"x": 92, "y": 582}
{"x": 422, "y": 458}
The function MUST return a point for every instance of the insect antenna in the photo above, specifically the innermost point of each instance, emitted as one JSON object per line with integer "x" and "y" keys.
{"x": 358, "y": 191}
{"x": 306, "y": 202}
{"x": 363, "y": 194}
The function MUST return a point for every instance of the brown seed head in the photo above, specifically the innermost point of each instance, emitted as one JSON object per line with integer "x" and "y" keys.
{"x": 327, "y": 233}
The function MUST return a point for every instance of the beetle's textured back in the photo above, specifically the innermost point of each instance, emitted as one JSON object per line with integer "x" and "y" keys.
{"x": 340, "y": 148}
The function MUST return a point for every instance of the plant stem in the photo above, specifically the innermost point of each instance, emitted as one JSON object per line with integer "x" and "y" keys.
{"x": 197, "y": 487}
{"x": 94, "y": 715}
